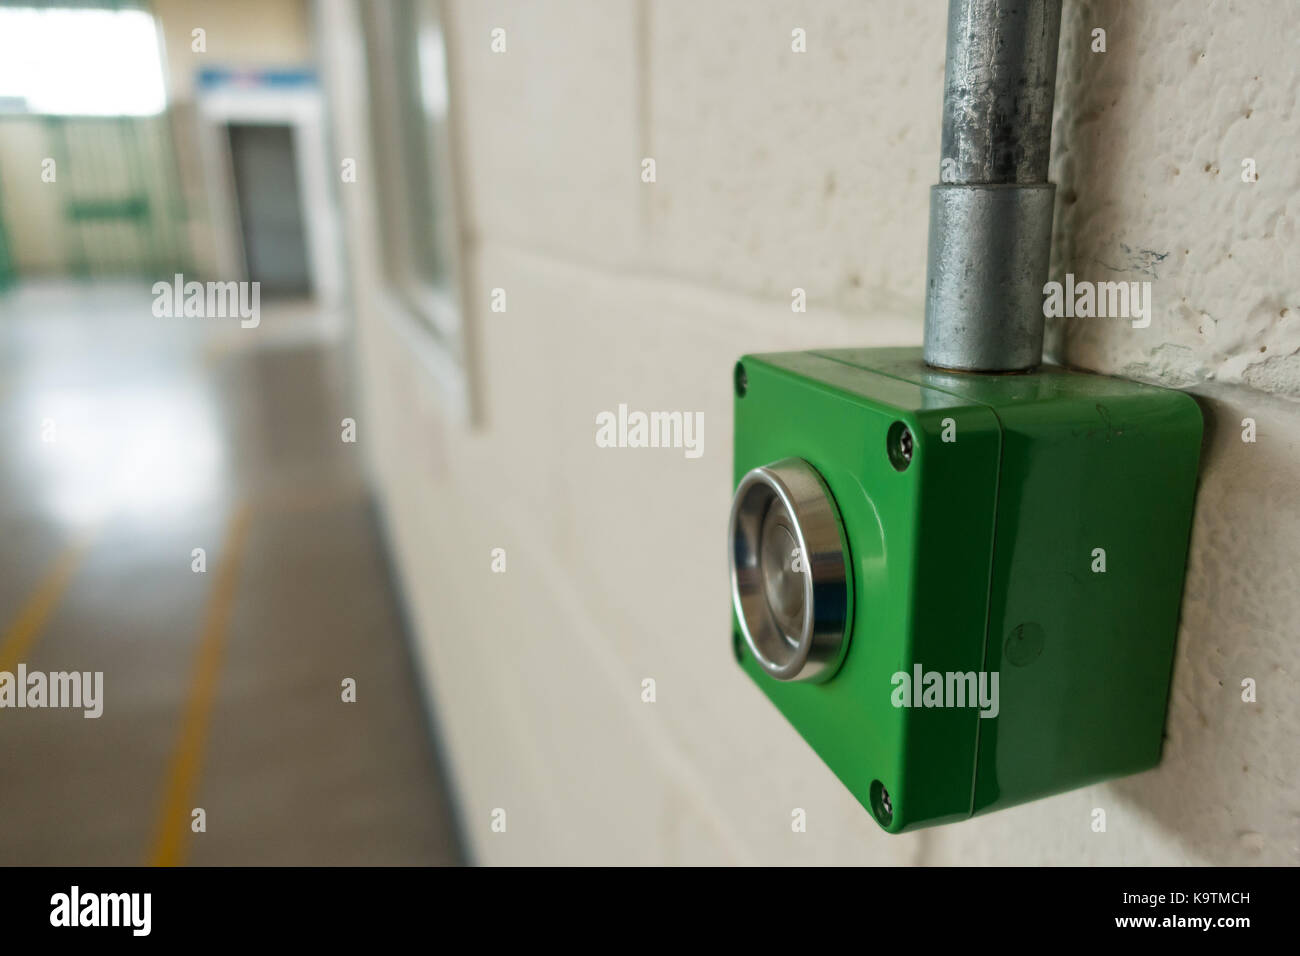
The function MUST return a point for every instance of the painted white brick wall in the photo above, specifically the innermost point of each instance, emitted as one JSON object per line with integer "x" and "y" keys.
{"x": 778, "y": 170}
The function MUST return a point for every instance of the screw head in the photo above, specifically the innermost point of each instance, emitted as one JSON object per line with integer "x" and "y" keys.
{"x": 882, "y": 805}
{"x": 900, "y": 445}
{"x": 741, "y": 380}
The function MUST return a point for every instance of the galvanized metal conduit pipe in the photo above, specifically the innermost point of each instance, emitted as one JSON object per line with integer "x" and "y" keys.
{"x": 991, "y": 214}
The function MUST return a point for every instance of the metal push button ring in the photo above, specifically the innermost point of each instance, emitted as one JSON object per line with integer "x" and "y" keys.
{"x": 789, "y": 571}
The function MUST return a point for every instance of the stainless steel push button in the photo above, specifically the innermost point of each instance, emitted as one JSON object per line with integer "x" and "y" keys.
{"x": 789, "y": 571}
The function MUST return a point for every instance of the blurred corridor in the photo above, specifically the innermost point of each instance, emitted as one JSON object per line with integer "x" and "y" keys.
{"x": 182, "y": 507}
{"x": 128, "y": 444}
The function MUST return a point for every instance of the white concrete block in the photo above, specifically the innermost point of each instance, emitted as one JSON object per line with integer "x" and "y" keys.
{"x": 779, "y": 169}
{"x": 551, "y": 125}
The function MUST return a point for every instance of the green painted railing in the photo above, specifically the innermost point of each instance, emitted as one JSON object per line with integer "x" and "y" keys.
{"x": 116, "y": 205}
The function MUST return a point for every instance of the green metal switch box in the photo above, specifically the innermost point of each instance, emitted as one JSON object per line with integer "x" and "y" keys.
{"x": 961, "y": 589}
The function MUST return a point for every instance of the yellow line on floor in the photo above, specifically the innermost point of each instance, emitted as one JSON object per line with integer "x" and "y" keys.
{"x": 173, "y": 829}
{"x": 27, "y": 626}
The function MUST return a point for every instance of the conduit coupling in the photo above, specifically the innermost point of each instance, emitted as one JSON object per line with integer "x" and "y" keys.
{"x": 991, "y": 213}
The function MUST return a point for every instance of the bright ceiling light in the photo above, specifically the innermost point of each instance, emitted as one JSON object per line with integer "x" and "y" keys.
{"x": 80, "y": 62}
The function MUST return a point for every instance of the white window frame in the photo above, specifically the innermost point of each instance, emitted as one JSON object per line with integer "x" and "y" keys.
{"x": 430, "y": 314}
{"x": 433, "y": 326}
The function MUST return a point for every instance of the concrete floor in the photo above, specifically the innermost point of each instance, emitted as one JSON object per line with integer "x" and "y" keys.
{"x": 127, "y": 441}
